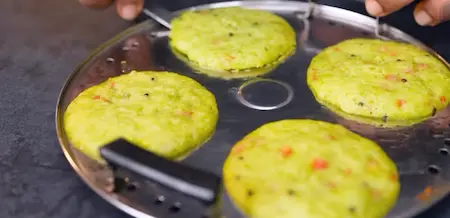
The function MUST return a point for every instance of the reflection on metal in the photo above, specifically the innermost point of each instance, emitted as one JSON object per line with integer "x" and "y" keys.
{"x": 253, "y": 94}
{"x": 379, "y": 29}
{"x": 311, "y": 6}
{"x": 304, "y": 41}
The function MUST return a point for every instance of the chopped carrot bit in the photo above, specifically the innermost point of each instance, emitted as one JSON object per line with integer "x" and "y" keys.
{"x": 425, "y": 194}
{"x": 230, "y": 58}
{"x": 391, "y": 77}
{"x": 422, "y": 66}
{"x": 336, "y": 49}
{"x": 394, "y": 177}
{"x": 331, "y": 185}
{"x": 186, "y": 113}
{"x": 443, "y": 99}
{"x": 408, "y": 70}
{"x": 331, "y": 137}
{"x": 348, "y": 171}
{"x": 387, "y": 51}
{"x": 376, "y": 193}
{"x": 400, "y": 102}
{"x": 319, "y": 164}
{"x": 106, "y": 100}
{"x": 393, "y": 54}
{"x": 239, "y": 148}
{"x": 314, "y": 76}
{"x": 112, "y": 85}
{"x": 96, "y": 97}
{"x": 286, "y": 151}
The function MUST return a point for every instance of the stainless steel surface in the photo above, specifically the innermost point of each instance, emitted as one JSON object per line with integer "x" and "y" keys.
{"x": 377, "y": 27}
{"x": 420, "y": 152}
{"x": 159, "y": 14}
{"x": 310, "y": 10}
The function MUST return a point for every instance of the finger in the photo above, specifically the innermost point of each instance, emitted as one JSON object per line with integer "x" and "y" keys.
{"x": 129, "y": 9}
{"x": 432, "y": 12}
{"x": 385, "y": 7}
{"x": 96, "y": 4}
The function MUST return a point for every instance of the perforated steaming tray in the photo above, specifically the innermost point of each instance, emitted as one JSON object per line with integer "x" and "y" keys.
{"x": 420, "y": 151}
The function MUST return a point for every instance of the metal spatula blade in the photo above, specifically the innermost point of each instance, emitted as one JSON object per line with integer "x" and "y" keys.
{"x": 151, "y": 179}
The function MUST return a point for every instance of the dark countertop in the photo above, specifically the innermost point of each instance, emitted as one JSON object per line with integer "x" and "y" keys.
{"x": 41, "y": 42}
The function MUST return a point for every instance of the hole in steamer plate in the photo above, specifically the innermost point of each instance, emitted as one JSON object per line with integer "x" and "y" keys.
{"x": 447, "y": 142}
{"x": 433, "y": 169}
{"x": 444, "y": 151}
{"x": 159, "y": 200}
{"x": 175, "y": 208}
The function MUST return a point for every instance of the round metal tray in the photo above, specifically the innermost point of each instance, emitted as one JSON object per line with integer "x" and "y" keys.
{"x": 420, "y": 151}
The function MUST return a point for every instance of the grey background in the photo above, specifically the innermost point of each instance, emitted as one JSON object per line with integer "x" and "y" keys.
{"x": 41, "y": 42}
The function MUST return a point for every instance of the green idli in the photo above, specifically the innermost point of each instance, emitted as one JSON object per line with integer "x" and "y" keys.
{"x": 162, "y": 112}
{"x": 379, "y": 82}
{"x": 232, "y": 42}
{"x": 307, "y": 168}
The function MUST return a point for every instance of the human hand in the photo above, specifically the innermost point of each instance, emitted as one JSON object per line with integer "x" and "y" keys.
{"x": 426, "y": 13}
{"x": 127, "y": 9}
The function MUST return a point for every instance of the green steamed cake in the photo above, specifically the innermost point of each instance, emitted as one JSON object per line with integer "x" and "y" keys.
{"x": 307, "y": 168}
{"x": 163, "y": 112}
{"x": 232, "y": 42}
{"x": 383, "y": 83}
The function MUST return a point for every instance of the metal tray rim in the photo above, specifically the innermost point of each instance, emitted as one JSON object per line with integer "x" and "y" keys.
{"x": 149, "y": 24}
{"x": 61, "y": 134}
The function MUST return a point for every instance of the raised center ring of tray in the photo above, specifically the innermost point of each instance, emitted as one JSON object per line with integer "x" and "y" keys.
{"x": 265, "y": 94}
{"x": 420, "y": 152}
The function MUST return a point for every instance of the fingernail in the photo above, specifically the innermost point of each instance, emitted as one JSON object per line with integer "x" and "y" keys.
{"x": 373, "y": 7}
{"x": 129, "y": 12}
{"x": 423, "y": 18}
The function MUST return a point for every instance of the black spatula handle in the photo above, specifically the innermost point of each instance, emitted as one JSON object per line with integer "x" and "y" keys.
{"x": 200, "y": 185}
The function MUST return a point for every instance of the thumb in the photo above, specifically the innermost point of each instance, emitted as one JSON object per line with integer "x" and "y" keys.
{"x": 385, "y": 7}
{"x": 432, "y": 12}
{"x": 129, "y": 9}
